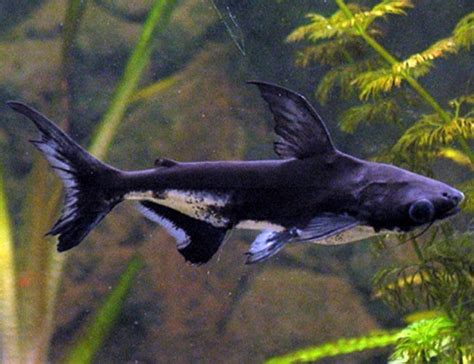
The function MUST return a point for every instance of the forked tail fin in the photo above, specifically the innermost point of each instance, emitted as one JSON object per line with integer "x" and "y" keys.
{"x": 88, "y": 183}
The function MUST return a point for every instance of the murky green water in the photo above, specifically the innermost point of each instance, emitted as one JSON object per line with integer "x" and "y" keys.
{"x": 184, "y": 96}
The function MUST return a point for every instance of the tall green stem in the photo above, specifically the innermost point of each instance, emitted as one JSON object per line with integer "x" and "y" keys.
{"x": 74, "y": 12}
{"x": 8, "y": 294}
{"x": 42, "y": 266}
{"x": 157, "y": 19}
{"x": 418, "y": 251}
{"x": 411, "y": 81}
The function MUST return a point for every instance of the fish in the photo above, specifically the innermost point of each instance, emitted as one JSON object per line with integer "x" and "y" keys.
{"x": 312, "y": 193}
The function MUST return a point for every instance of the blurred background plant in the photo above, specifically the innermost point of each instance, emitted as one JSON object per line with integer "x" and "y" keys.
{"x": 384, "y": 91}
{"x": 27, "y": 304}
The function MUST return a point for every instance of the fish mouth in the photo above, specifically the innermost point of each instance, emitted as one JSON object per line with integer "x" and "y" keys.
{"x": 451, "y": 212}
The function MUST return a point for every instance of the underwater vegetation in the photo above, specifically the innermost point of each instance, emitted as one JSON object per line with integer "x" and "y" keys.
{"x": 27, "y": 314}
{"x": 437, "y": 287}
{"x": 170, "y": 70}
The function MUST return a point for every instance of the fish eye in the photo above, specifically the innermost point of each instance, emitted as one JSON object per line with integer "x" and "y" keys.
{"x": 422, "y": 211}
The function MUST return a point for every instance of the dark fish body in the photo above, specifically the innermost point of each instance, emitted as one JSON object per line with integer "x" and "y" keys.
{"x": 314, "y": 193}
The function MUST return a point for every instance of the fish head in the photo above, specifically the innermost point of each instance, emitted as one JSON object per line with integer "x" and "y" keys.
{"x": 405, "y": 201}
{"x": 430, "y": 201}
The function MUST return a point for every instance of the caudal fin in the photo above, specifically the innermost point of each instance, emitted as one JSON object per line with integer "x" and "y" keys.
{"x": 89, "y": 195}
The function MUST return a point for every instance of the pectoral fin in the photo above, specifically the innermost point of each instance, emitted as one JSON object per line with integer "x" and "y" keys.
{"x": 325, "y": 226}
{"x": 269, "y": 243}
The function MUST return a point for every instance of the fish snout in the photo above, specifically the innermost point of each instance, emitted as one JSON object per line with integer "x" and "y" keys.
{"x": 449, "y": 203}
{"x": 454, "y": 197}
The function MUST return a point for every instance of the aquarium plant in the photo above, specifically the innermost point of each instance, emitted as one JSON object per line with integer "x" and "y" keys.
{"x": 30, "y": 269}
{"x": 381, "y": 89}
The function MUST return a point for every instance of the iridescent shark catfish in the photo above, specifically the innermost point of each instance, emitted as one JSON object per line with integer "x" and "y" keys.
{"x": 314, "y": 193}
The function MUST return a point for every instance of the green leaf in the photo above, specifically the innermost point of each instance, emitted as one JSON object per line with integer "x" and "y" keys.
{"x": 456, "y": 156}
{"x": 396, "y": 7}
{"x": 418, "y": 64}
{"x": 364, "y": 19}
{"x": 372, "y": 83}
{"x": 332, "y": 52}
{"x": 321, "y": 27}
{"x": 8, "y": 303}
{"x": 431, "y": 132}
{"x": 464, "y": 32}
{"x": 421, "y": 315}
{"x": 338, "y": 25}
{"x": 38, "y": 264}
{"x": 157, "y": 20}
{"x": 425, "y": 340}
{"x": 463, "y": 99}
{"x": 468, "y": 189}
{"x": 342, "y": 77}
{"x": 441, "y": 278}
{"x": 151, "y": 90}
{"x": 375, "y": 340}
{"x": 383, "y": 110}
{"x": 38, "y": 261}
{"x": 99, "y": 327}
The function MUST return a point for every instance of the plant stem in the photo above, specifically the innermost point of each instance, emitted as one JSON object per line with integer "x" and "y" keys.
{"x": 74, "y": 12}
{"x": 47, "y": 265}
{"x": 37, "y": 260}
{"x": 342, "y": 346}
{"x": 466, "y": 149}
{"x": 393, "y": 61}
{"x": 99, "y": 327}
{"x": 9, "y": 323}
{"x": 418, "y": 251}
{"x": 411, "y": 81}
{"x": 157, "y": 19}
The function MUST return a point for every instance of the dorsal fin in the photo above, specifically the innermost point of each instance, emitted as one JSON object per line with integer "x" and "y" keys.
{"x": 301, "y": 131}
{"x": 165, "y": 162}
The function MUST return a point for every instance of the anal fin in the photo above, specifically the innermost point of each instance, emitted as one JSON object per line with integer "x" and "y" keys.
{"x": 196, "y": 240}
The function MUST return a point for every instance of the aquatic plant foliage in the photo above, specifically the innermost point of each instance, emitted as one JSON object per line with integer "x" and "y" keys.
{"x": 345, "y": 41}
{"x": 420, "y": 342}
{"x": 29, "y": 301}
{"x": 361, "y": 69}
{"x": 101, "y": 323}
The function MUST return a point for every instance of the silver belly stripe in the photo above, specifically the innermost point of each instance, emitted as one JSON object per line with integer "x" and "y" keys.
{"x": 355, "y": 234}
{"x": 200, "y": 205}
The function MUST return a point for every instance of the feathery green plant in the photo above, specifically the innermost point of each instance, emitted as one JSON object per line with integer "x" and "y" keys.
{"x": 346, "y": 41}
{"x": 427, "y": 340}
{"x": 30, "y": 273}
{"x": 437, "y": 338}
{"x": 441, "y": 276}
